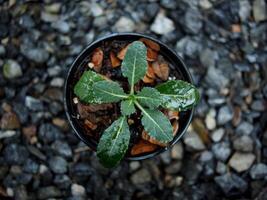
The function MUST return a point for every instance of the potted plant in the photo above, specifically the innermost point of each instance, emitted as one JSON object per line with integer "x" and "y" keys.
{"x": 126, "y": 95}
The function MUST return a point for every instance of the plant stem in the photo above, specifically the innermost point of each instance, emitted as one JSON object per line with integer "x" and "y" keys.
{"x": 139, "y": 106}
{"x": 132, "y": 89}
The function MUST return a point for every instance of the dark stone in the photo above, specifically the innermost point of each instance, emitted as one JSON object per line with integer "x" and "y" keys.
{"x": 258, "y": 171}
{"x": 33, "y": 103}
{"x": 31, "y": 166}
{"x": 15, "y": 154}
{"x": 48, "y": 192}
{"x": 49, "y": 133}
{"x": 62, "y": 181}
{"x": 151, "y": 11}
{"x": 62, "y": 148}
{"x": 81, "y": 169}
{"x": 193, "y": 21}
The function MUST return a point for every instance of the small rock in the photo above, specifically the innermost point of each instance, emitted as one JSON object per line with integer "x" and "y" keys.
{"x": 9, "y": 120}
{"x": 166, "y": 157}
{"x": 61, "y": 26}
{"x": 244, "y": 128}
{"x": 81, "y": 169}
{"x": 7, "y": 134}
{"x": 54, "y": 71}
{"x": 162, "y": 25}
{"x": 29, "y": 132}
{"x": 2, "y": 50}
{"x": 33, "y": 103}
{"x": 58, "y": 165}
{"x": 258, "y": 105}
{"x": 193, "y": 142}
{"x": 124, "y": 24}
{"x": 208, "y": 57}
{"x": 243, "y": 143}
{"x": 206, "y": 156}
{"x": 12, "y": 69}
{"x": 21, "y": 193}
{"x": 217, "y": 135}
{"x": 169, "y": 4}
{"x": 193, "y": 21}
{"x": 230, "y": 182}
{"x": 38, "y": 55}
{"x": 62, "y": 181}
{"x": 188, "y": 46}
{"x": 225, "y": 115}
{"x": 177, "y": 151}
{"x": 141, "y": 176}
{"x": 48, "y": 192}
{"x": 48, "y": 133}
{"x": 57, "y": 82}
{"x": 77, "y": 190}
{"x": 205, "y": 4}
{"x": 241, "y": 161}
{"x": 31, "y": 166}
{"x": 217, "y": 78}
{"x": 96, "y": 9}
{"x": 62, "y": 149}
{"x": 221, "y": 168}
{"x": 174, "y": 168}
{"x": 244, "y": 10}
{"x": 210, "y": 119}
{"x": 258, "y": 171}
{"x": 179, "y": 180}
{"x": 61, "y": 123}
{"x": 259, "y": 10}
{"x": 221, "y": 151}
{"x": 53, "y": 8}
{"x": 134, "y": 165}
{"x": 151, "y": 11}
{"x": 15, "y": 154}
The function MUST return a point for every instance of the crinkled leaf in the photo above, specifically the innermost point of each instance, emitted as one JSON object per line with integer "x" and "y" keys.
{"x": 114, "y": 143}
{"x": 108, "y": 91}
{"x": 134, "y": 64}
{"x": 149, "y": 97}
{"x": 84, "y": 87}
{"x": 178, "y": 95}
{"x": 157, "y": 125}
{"x": 127, "y": 107}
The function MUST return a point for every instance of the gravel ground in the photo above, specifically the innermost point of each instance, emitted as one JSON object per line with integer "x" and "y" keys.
{"x": 224, "y": 153}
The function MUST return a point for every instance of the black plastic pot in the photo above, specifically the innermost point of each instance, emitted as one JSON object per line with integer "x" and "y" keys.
{"x": 184, "y": 118}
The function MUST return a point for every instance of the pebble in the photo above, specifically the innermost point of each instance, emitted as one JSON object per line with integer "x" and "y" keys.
{"x": 230, "y": 182}
{"x": 225, "y": 114}
{"x": 61, "y": 26}
{"x": 258, "y": 171}
{"x": 31, "y": 166}
{"x": 54, "y": 71}
{"x": 7, "y": 134}
{"x": 177, "y": 151}
{"x": 12, "y": 69}
{"x": 244, "y": 128}
{"x": 208, "y": 57}
{"x": 258, "y": 105}
{"x": 48, "y": 192}
{"x": 217, "y": 135}
{"x": 38, "y": 55}
{"x": 15, "y": 154}
{"x": 48, "y": 133}
{"x": 243, "y": 143}
{"x": 166, "y": 157}
{"x": 134, "y": 165}
{"x": 81, "y": 169}
{"x": 173, "y": 168}
{"x": 169, "y": 4}
{"x": 205, "y": 4}
{"x": 58, "y": 165}
{"x": 188, "y": 46}
{"x": 221, "y": 151}
{"x": 210, "y": 120}
{"x": 242, "y": 161}
{"x": 141, "y": 176}
{"x": 162, "y": 25}
{"x": 77, "y": 190}
{"x": 244, "y": 10}
{"x": 221, "y": 168}
{"x": 33, "y": 103}
{"x": 62, "y": 149}
{"x": 57, "y": 82}
{"x": 125, "y": 24}
{"x": 9, "y": 121}
{"x": 62, "y": 181}
{"x": 193, "y": 142}
{"x": 193, "y": 21}
{"x": 259, "y": 10}
{"x": 96, "y": 10}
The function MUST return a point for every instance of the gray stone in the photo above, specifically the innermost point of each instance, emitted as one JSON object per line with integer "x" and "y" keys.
{"x": 244, "y": 9}
{"x": 259, "y": 10}
{"x": 206, "y": 156}
{"x": 31, "y": 166}
{"x": 230, "y": 182}
{"x": 210, "y": 120}
{"x": 58, "y": 165}
{"x": 221, "y": 168}
{"x": 61, "y": 26}
{"x": 243, "y": 143}
{"x": 134, "y": 165}
{"x": 216, "y": 78}
{"x": 15, "y": 154}
{"x": 141, "y": 176}
{"x": 96, "y": 9}
{"x": 205, "y": 4}
{"x": 217, "y": 135}
{"x": 162, "y": 25}
{"x": 54, "y": 71}
{"x": 177, "y": 151}
{"x": 77, "y": 190}
{"x": 169, "y": 4}
{"x": 221, "y": 151}
{"x": 244, "y": 128}
{"x": 258, "y": 105}
{"x": 225, "y": 115}
{"x": 174, "y": 168}
{"x": 81, "y": 169}
{"x": 7, "y": 134}
{"x": 33, "y": 103}
{"x": 12, "y": 69}
{"x": 208, "y": 57}
{"x": 38, "y": 55}
{"x": 242, "y": 161}
{"x": 2, "y": 50}
{"x": 62, "y": 181}
{"x": 62, "y": 149}
{"x": 188, "y": 46}
{"x": 166, "y": 157}
{"x": 258, "y": 171}
{"x": 193, "y": 142}
{"x": 124, "y": 24}
{"x": 48, "y": 192}
{"x": 193, "y": 20}
{"x": 49, "y": 133}
{"x": 57, "y": 82}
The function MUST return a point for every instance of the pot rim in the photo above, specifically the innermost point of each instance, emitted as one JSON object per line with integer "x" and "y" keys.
{"x": 114, "y": 35}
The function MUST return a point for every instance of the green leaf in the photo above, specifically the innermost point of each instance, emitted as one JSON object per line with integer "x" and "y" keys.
{"x": 127, "y": 107}
{"x": 134, "y": 64}
{"x": 149, "y": 97}
{"x": 114, "y": 143}
{"x": 108, "y": 91}
{"x": 156, "y": 124}
{"x": 178, "y": 95}
{"x": 84, "y": 87}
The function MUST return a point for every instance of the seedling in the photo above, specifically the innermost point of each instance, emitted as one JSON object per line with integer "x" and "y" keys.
{"x": 173, "y": 95}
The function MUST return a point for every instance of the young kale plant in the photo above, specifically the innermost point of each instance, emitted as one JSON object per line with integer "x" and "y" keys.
{"x": 173, "y": 95}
